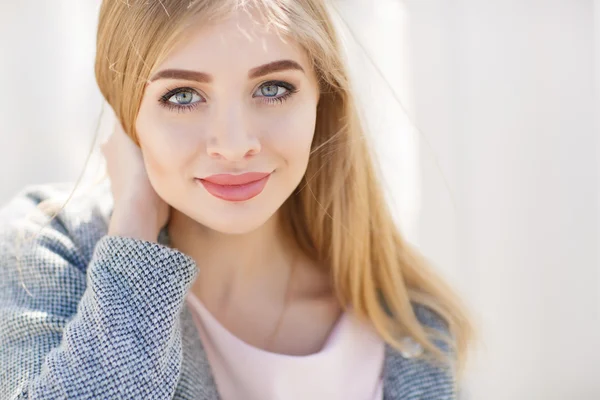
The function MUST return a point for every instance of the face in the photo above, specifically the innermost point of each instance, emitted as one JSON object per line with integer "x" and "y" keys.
{"x": 226, "y": 123}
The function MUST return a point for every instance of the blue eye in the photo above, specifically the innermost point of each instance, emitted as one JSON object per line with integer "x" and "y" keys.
{"x": 272, "y": 90}
{"x": 275, "y": 91}
{"x": 184, "y": 98}
{"x": 181, "y": 99}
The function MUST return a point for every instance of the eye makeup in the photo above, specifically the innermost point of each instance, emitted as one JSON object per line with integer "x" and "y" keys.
{"x": 167, "y": 99}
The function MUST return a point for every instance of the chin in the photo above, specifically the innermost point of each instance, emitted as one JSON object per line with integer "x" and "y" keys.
{"x": 235, "y": 227}
{"x": 235, "y": 223}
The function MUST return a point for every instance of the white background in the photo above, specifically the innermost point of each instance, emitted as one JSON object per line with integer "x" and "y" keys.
{"x": 490, "y": 153}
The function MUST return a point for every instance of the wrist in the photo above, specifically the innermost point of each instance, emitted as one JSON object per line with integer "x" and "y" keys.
{"x": 140, "y": 234}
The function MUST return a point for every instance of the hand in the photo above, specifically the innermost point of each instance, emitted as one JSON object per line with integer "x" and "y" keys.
{"x": 138, "y": 210}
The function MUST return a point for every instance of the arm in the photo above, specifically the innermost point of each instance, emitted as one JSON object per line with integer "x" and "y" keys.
{"x": 107, "y": 328}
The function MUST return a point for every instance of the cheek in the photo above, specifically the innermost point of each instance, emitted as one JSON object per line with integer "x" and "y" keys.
{"x": 291, "y": 134}
{"x": 168, "y": 145}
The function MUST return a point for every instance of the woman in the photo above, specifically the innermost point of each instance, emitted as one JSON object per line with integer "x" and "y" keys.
{"x": 243, "y": 249}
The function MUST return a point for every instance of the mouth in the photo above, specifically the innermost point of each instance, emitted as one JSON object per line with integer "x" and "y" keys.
{"x": 235, "y": 188}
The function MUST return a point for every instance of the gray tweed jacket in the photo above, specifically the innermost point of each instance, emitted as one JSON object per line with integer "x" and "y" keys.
{"x": 84, "y": 315}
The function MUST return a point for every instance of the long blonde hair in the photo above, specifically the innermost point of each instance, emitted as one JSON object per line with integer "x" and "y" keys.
{"x": 338, "y": 214}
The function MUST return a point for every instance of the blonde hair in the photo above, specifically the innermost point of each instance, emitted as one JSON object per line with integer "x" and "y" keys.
{"x": 338, "y": 214}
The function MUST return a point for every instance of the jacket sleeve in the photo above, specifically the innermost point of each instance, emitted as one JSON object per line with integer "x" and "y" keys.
{"x": 102, "y": 328}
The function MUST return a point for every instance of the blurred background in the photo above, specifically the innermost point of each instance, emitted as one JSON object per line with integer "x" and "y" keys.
{"x": 485, "y": 117}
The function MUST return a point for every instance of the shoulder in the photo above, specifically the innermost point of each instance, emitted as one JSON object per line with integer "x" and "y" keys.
{"x": 430, "y": 320}
{"x": 413, "y": 375}
{"x": 44, "y": 260}
{"x": 54, "y": 218}
{"x": 435, "y": 325}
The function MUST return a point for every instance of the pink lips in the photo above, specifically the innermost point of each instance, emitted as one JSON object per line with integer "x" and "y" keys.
{"x": 235, "y": 187}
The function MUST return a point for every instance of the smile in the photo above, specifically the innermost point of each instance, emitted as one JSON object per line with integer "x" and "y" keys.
{"x": 235, "y": 187}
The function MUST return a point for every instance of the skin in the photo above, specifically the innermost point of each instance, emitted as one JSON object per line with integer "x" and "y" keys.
{"x": 234, "y": 126}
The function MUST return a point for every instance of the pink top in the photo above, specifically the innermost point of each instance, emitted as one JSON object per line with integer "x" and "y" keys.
{"x": 349, "y": 366}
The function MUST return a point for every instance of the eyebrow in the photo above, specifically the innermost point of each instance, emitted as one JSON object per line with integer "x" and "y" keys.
{"x": 203, "y": 77}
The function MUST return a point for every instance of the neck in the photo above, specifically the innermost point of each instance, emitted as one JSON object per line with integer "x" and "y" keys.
{"x": 235, "y": 267}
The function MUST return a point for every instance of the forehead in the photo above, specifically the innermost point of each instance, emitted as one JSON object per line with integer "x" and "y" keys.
{"x": 239, "y": 40}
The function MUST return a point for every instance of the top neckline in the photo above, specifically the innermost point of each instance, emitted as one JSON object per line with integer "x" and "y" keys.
{"x": 228, "y": 336}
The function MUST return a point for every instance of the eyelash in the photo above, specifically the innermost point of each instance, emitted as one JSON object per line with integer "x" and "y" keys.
{"x": 164, "y": 100}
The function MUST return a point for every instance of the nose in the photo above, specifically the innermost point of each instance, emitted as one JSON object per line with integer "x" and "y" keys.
{"x": 230, "y": 137}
